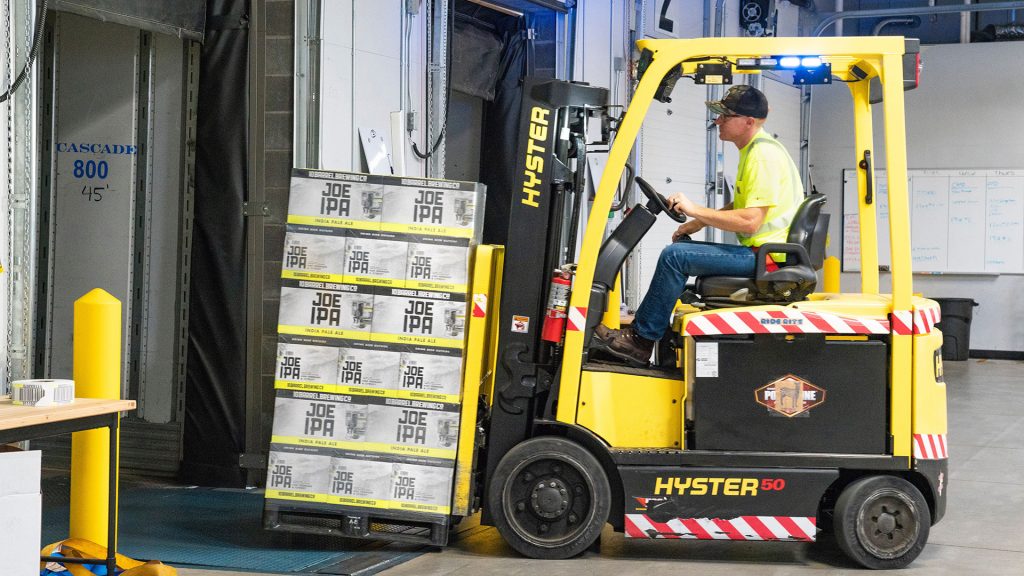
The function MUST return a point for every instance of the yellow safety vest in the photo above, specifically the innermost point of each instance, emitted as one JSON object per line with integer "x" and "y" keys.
{"x": 768, "y": 177}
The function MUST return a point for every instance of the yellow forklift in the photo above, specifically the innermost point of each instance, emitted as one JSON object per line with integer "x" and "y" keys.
{"x": 783, "y": 413}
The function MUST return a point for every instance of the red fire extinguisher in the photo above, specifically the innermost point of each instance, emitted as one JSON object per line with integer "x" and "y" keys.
{"x": 558, "y": 303}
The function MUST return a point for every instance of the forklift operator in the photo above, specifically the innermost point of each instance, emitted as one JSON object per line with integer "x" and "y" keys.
{"x": 768, "y": 192}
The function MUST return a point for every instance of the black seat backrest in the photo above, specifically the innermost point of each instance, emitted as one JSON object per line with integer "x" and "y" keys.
{"x": 801, "y": 230}
{"x": 817, "y": 249}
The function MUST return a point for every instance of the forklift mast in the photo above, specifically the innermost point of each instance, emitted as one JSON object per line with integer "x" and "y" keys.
{"x": 552, "y": 125}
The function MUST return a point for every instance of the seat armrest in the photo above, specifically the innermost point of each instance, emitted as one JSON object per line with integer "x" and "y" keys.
{"x": 788, "y": 249}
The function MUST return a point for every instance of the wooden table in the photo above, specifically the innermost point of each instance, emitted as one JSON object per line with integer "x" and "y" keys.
{"x": 19, "y": 423}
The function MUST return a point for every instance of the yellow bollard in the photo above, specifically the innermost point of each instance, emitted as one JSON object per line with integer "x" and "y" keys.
{"x": 97, "y": 374}
{"x": 830, "y": 275}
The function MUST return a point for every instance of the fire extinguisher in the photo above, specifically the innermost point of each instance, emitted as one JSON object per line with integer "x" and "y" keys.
{"x": 558, "y": 303}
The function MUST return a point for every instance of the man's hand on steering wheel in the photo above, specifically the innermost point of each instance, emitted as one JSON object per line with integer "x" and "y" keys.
{"x": 658, "y": 203}
{"x": 680, "y": 204}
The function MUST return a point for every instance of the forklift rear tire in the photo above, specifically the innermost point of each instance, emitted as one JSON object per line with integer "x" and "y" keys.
{"x": 882, "y": 522}
{"x": 550, "y": 498}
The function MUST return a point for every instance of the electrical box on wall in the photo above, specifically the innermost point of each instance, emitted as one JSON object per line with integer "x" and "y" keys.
{"x": 664, "y": 18}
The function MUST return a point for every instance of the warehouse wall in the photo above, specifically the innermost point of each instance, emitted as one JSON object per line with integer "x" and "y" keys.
{"x": 966, "y": 114}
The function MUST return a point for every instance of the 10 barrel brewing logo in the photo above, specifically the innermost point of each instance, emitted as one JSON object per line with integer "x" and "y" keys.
{"x": 319, "y": 420}
{"x": 335, "y": 199}
{"x": 412, "y": 427}
{"x": 428, "y": 207}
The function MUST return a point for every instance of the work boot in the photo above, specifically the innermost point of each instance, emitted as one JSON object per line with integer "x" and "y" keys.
{"x": 625, "y": 344}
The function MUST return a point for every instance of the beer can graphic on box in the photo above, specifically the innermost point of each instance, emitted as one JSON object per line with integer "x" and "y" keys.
{"x": 360, "y": 482}
{"x": 309, "y": 256}
{"x": 430, "y": 376}
{"x": 421, "y": 488}
{"x": 368, "y": 371}
{"x": 419, "y": 317}
{"x": 340, "y": 199}
{"x": 438, "y": 264}
{"x": 326, "y": 309}
{"x": 291, "y": 472}
{"x": 306, "y": 367}
{"x": 375, "y": 258}
{"x": 433, "y": 207}
{"x": 414, "y": 427}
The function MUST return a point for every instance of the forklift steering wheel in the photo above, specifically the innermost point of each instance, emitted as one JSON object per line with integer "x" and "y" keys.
{"x": 658, "y": 200}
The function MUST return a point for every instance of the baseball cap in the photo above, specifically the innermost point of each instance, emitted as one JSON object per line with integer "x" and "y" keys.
{"x": 741, "y": 100}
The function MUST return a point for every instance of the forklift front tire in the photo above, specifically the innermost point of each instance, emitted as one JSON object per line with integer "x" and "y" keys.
{"x": 549, "y": 498}
{"x": 882, "y": 522}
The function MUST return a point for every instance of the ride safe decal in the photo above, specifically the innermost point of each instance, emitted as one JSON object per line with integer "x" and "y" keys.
{"x": 789, "y": 396}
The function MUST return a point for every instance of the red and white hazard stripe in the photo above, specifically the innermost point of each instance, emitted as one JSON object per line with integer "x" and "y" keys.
{"x": 780, "y": 321}
{"x": 577, "y": 318}
{"x": 930, "y": 447}
{"x": 777, "y": 528}
{"x": 917, "y": 321}
{"x": 479, "y": 305}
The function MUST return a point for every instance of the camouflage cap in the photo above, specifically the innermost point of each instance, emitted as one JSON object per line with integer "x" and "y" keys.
{"x": 741, "y": 100}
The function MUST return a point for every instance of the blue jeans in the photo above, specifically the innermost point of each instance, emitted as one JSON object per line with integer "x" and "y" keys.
{"x": 677, "y": 263}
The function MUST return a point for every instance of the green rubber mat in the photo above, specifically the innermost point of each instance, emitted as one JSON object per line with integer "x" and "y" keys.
{"x": 221, "y": 528}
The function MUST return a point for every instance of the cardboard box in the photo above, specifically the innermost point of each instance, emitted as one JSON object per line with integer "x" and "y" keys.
{"x": 313, "y": 253}
{"x": 421, "y": 488}
{"x": 437, "y": 264}
{"x": 306, "y": 367}
{"x": 326, "y": 309}
{"x": 341, "y": 199}
{"x": 426, "y": 374}
{"x": 438, "y": 207}
{"x": 20, "y": 512}
{"x": 376, "y": 258}
{"x": 414, "y": 424}
{"x": 419, "y": 317}
{"x": 371, "y": 371}
{"x": 359, "y": 481}
{"x": 297, "y": 474}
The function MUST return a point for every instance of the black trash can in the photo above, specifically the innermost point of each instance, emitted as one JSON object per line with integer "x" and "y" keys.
{"x": 956, "y": 327}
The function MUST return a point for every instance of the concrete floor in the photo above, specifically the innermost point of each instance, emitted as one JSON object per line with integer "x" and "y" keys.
{"x": 982, "y": 533}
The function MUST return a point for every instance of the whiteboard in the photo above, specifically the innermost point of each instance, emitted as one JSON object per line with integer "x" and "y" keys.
{"x": 961, "y": 221}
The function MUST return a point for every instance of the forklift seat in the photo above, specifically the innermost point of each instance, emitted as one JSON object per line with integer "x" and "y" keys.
{"x": 794, "y": 279}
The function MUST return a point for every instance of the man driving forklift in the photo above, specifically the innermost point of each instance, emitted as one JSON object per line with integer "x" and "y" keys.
{"x": 768, "y": 192}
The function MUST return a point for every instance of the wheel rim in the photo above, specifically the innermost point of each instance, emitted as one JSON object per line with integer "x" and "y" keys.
{"x": 888, "y": 524}
{"x": 548, "y": 500}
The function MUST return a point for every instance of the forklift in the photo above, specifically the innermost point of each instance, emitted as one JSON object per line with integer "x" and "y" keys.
{"x": 774, "y": 412}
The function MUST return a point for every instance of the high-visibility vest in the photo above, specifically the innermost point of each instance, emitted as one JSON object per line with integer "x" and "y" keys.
{"x": 767, "y": 176}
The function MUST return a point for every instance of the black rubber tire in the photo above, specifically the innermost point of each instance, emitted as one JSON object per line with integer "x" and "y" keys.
{"x": 882, "y": 522}
{"x": 563, "y": 464}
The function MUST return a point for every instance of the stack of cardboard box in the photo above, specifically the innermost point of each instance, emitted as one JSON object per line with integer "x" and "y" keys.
{"x": 20, "y": 512}
{"x": 372, "y": 332}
